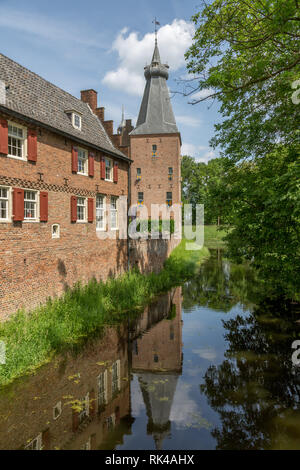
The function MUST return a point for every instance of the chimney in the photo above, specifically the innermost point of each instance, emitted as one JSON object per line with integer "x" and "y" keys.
{"x": 89, "y": 97}
{"x": 109, "y": 127}
{"x": 100, "y": 113}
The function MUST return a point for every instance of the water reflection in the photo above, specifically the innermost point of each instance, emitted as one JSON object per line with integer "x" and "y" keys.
{"x": 207, "y": 365}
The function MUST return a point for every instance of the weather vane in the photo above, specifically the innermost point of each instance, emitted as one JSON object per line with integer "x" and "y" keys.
{"x": 156, "y": 23}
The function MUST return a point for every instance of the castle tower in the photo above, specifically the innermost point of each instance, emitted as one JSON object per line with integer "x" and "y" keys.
{"x": 155, "y": 142}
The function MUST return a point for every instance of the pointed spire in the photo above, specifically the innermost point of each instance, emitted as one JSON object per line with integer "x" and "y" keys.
{"x": 156, "y": 56}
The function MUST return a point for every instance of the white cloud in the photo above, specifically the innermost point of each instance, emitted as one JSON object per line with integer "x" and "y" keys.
{"x": 173, "y": 39}
{"x": 206, "y": 353}
{"x": 188, "y": 121}
{"x": 201, "y": 153}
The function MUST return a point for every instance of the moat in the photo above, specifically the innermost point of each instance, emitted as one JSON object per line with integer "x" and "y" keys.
{"x": 206, "y": 366}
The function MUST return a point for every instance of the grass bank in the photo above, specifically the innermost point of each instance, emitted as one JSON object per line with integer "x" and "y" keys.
{"x": 33, "y": 338}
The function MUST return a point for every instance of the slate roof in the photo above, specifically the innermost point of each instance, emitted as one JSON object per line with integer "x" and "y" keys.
{"x": 156, "y": 114}
{"x": 34, "y": 97}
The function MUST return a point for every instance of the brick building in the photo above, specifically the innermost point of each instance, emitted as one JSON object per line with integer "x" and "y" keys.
{"x": 62, "y": 174}
{"x": 155, "y": 143}
{"x": 61, "y": 178}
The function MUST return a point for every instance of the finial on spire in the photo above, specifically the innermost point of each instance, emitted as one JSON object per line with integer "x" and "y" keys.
{"x": 156, "y": 23}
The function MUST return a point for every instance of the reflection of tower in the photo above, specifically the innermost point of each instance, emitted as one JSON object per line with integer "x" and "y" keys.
{"x": 157, "y": 361}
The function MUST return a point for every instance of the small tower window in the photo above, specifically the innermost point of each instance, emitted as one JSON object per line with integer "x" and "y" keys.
{"x": 169, "y": 199}
{"x": 140, "y": 198}
{"x": 170, "y": 173}
{"x": 154, "y": 150}
{"x": 138, "y": 173}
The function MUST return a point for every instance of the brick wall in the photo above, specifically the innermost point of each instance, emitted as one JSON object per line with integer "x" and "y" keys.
{"x": 154, "y": 182}
{"x": 28, "y": 411}
{"x": 149, "y": 255}
{"x": 33, "y": 265}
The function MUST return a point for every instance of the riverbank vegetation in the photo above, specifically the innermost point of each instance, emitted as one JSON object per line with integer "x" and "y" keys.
{"x": 246, "y": 57}
{"x": 31, "y": 339}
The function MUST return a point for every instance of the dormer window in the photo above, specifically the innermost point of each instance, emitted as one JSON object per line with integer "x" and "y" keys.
{"x": 75, "y": 118}
{"x": 76, "y": 121}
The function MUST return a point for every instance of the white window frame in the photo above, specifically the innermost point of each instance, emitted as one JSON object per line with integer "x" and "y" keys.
{"x": 74, "y": 116}
{"x": 57, "y": 407}
{"x": 101, "y": 229}
{"x": 85, "y": 164}
{"x": 23, "y": 139}
{"x": 116, "y": 382}
{"x": 39, "y": 443}
{"x": 37, "y": 205}
{"x": 102, "y": 394}
{"x": 57, "y": 234}
{"x": 9, "y": 204}
{"x": 83, "y": 221}
{"x": 111, "y": 168}
{"x": 115, "y": 210}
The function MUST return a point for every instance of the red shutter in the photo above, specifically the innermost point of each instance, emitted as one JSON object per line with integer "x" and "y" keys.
{"x": 3, "y": 136}
{"x": 102, "y": 168}
{"x": 43, "y": 206}
{"x": 74, "y": 160}
{"x": 18, "y": 204}
{"x": 32, "y": 145}
{"x": 91, "y": 164}
{"x": 75, "y": 420}
{"x": 73, "y": 208}
{"x": 115, "y": 172}
{"x": 90, "y": 209}
{"x": 46, "y": 439}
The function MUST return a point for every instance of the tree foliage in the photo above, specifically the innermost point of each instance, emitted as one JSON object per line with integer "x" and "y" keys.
{"x": 247, "y": 52}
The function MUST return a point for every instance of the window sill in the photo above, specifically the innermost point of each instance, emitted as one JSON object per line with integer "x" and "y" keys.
{"x": 22, "y": 159}
{"x": 28, "y": 221}
{"x": 81, "y": 221}
{"x": 101, "y": 230}
{"x": 82, "y": 174}
{"x": 111, "y": 181}
{"x": 5, "y": 221}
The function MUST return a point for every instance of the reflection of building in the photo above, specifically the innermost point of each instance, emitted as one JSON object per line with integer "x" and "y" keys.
{"x": 78, "y": 403}
{"x": 157, "y": 361}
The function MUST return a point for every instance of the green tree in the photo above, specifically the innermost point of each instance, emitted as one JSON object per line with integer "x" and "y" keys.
{"x": 247, "y": 54}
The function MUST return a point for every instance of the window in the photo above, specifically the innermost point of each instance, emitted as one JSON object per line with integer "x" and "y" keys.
{"x": 85, "y": 406}
{"x": 100, "y": 212}
{"x": 169, "y": 199}
{"x": 16, "y": 141}
{"x": 4, "y": 204}
{"x": 155, "y": 358}
{"x": 170, "y": 173}
{"x": 108, "y": 169}
{"x": 82, "y": 162}
{"x": 140, "y": 198}
{"x": 30, "y": 205}
{"x": 55, "y": 231}
{"x": 102, "y": 389}
{"x": 115, "y": 377}
{"x": 81, "y": 209}
{"x": 76, "y": 121}
{"x": 113, "y": 213}
{"x": 111, "y": 422}
{"x": 154, "y": 150}
{"x": 35, "y": 444}
{"x": 57, "y": 410}
{"x": 138, "y": 173}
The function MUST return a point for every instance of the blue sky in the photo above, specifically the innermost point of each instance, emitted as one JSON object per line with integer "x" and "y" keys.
{"x": 105, "y": 45}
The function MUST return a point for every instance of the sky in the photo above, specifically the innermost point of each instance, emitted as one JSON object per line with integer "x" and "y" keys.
{"x": 105, "y": 45}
